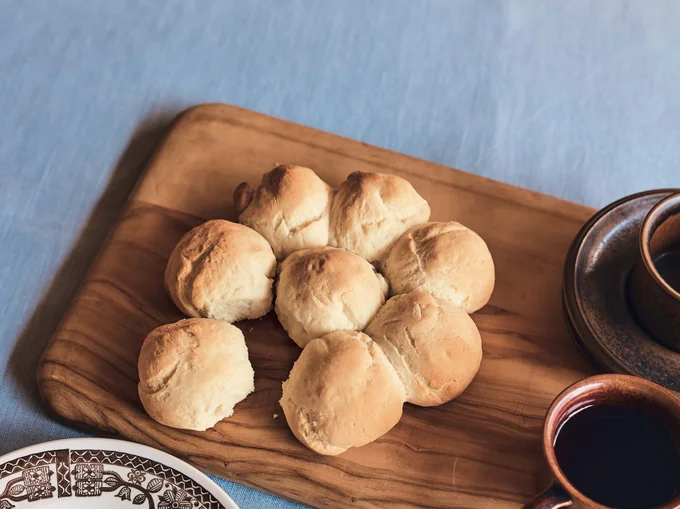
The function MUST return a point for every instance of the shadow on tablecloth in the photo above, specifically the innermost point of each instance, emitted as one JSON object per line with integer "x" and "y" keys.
{"x": 44, "y": 320}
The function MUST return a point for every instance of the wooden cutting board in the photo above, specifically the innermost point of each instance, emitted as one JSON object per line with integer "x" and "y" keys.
{"x": 479, "y": 451}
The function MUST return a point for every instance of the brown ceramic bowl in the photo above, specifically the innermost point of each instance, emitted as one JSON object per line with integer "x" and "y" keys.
{"x": 656, "y": 302}
{"x": 601, "y": 389}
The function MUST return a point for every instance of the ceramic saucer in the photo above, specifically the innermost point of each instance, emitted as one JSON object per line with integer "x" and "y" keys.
{"x": 103, "y": 473}
{"x": 595, "y": 299}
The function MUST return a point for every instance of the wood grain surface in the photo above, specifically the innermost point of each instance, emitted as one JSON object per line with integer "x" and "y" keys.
{"x": 479, "y": 451}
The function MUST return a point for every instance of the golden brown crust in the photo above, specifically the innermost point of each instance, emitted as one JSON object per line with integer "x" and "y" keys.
{"x": 326, "y": 289}
{"x": 434, "y": 346}
{"x": 290, "y": 208}
{"x": 446, "y": 260}
{"x": 243, "y": 195}
{"x": 341, "y": 393}
{"x": 371, "y": 211}
{"x": 221, "y": 270}
{"x": 193, "y": 372}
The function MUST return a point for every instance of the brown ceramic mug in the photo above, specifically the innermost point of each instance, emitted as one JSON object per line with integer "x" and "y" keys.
{"x": 655, "y": 280}
{"x": 622, "y": 390}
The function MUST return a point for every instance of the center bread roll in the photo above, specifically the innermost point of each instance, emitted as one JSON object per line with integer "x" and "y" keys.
{"x": 342, "y": 392}
{"x": 434, "y": 346}
{"x": 326, "y": 289}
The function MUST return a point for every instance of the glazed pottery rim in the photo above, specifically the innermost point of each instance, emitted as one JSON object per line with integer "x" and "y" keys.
{"x": 587, "y": 348}
{"x": 573, "y": 308}
{"x": 646, "y": 234}
{"x": 552, "y": 421}
{"x": 137, "y": 455}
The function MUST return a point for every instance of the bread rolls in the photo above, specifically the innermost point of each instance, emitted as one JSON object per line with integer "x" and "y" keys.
{"x": 434, "y": 346}
{"x": 446, "y": 260}
{"x": 290, "y": 208}
{"x": 341, "y": 393}
{"x": 221, "y": 270}
{"x": 193, "y": 372}
{"x": 326, "y": 289}
{"x": 346, "y": 389}
{"x": 371, "y": 211}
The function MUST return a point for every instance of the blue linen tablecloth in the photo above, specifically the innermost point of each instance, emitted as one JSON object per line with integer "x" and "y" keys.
{"x": 579, "y": 99}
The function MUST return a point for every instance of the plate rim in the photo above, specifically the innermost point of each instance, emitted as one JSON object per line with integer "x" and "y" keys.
{"x": 127, "y": 447}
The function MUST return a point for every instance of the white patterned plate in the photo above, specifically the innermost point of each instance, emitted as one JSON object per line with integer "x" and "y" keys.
{"x": 99, "y": 473}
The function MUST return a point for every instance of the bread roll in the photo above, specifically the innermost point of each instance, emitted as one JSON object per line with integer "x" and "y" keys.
{"x": 434, "y": 346}
{"x": 372, "y": 210}
{"x": 446, "y": 260}
{"x": 326, "y": 289}
{"x": 341, "y": 393}
{"x": 193, "y": 372}
{"x": 221, "y": 270}
{"x": 289, "y": 208}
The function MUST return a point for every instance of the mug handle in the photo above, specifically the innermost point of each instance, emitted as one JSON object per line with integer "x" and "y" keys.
{"x": 552, "y": 498}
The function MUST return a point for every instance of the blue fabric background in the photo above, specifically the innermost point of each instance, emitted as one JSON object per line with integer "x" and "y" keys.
{"x": 579, "y": 99}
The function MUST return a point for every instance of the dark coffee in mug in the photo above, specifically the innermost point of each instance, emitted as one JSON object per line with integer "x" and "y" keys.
{"x": 668, "y": 266}
{"x": 619, "y": 456}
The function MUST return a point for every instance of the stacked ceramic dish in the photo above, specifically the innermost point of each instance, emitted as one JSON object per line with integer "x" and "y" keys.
{"x": 621, "y": 298}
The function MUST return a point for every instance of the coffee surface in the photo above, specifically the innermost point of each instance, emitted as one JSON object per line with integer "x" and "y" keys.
{"x": 619, "y": 456}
